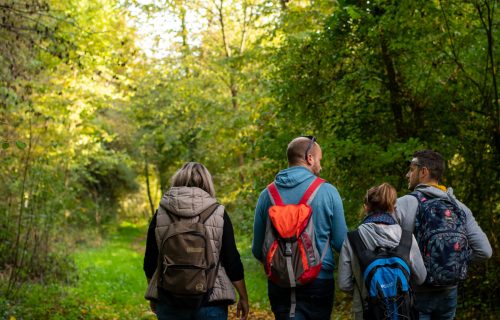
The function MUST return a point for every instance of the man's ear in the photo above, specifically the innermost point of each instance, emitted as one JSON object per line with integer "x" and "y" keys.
{"x": 310, "y": 159}
{"x": 425, "y": 172}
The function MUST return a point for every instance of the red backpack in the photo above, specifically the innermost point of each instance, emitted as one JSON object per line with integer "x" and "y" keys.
{"x": 290, "y": 255}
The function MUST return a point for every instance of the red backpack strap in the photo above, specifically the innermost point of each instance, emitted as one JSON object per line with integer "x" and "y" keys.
{"x": 311, "y": 190}
{"x": 275, "y": 195}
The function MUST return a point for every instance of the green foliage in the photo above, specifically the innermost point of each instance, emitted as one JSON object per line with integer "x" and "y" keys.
{"x": 91, "y": 127}
{"x": 61, "y": 67}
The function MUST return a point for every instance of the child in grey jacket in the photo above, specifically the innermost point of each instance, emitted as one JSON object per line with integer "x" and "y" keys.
{"x": 379, "y": 229}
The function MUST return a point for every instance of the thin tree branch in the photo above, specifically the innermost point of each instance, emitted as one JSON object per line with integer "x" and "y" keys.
{"x": 453, "y": 48}
{"x": 223, "y": 29}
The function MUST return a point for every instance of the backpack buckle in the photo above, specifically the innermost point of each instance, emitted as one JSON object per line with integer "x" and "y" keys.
{"x": 288, "y": 249}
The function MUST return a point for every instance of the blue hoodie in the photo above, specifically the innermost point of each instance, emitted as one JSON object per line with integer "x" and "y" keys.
{"x": 328, "y": 214}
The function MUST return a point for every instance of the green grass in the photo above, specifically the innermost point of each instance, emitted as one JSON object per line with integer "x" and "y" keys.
{"x": 110, "y": 283}
{"x": 255, "y": 278}
{"x": 111, "y": 280}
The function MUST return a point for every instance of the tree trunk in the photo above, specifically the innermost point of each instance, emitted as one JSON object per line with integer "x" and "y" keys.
{"x": 394, "y": 89}
{"x": 185, "y": 45}
{"x": 148, "y": 188}
{"x": 26, "y": 169}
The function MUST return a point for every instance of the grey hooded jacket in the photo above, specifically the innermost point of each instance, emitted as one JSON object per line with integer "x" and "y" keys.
{"x": 407, "y": 208}
{"x": 374, "y": 235}
{"x": 189, "y": 202}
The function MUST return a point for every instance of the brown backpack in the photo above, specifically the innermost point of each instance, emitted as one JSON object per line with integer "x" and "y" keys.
{"x": 186, "y": 262}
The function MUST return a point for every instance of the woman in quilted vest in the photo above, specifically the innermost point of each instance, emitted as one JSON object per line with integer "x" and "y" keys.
{"x": 191, "y": 260}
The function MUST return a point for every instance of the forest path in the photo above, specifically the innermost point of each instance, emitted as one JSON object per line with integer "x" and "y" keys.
{"x": 111, "y": 277}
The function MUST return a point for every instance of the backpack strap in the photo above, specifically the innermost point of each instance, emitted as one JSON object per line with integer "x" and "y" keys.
{"x": 274, "y": 194}
{"x": 419, "y": 195}
{"x": 306, "y": 198}
{"x": 293, "y": 303}
{"x": 205, "y": 214}
{"x": 356, "y": 242}
{"x": 359, "y": 248}
{"x": 311, "y": 191}
{"x": 404, "y": 245}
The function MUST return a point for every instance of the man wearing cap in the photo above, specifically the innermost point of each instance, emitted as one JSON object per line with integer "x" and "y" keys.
{"x": 424, "y": 175}
{"x": 315, "y": 299}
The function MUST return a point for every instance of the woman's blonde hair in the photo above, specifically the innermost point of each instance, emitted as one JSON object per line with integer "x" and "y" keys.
{"x": 382, "y": 197}
{"x": 194, "y": 174}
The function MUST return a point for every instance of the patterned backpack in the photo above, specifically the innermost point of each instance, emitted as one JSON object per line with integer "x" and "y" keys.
{"x": 440, "y": 230}
{"x": 386, "y": 275}
{"x": 290, "y": 255}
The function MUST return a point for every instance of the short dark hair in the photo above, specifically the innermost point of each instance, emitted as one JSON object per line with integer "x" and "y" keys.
{"x": 297, "y": 148}
{"x": 432, "y": 160}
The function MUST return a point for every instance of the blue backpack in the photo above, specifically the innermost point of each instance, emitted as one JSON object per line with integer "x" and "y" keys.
{"x": 440, "y": 230}
{"x": 386, "y": 275}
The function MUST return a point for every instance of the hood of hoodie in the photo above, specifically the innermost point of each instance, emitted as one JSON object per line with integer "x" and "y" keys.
{"x": 293, "y": 176}
{"x": 433, "y": 192}
{"x": 186, "y": 201}
{"x": 380, "y": 235}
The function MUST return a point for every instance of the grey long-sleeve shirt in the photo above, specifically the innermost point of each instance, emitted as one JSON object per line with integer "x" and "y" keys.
{"x": 407, "y": 208}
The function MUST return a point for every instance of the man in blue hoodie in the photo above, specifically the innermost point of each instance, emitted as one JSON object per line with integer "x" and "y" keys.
{"x": 424, "y": 176}
{"x": 315, "y": 299}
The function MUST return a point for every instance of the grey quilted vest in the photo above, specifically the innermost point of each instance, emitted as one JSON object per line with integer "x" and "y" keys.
{"x": 188, "y": 202}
